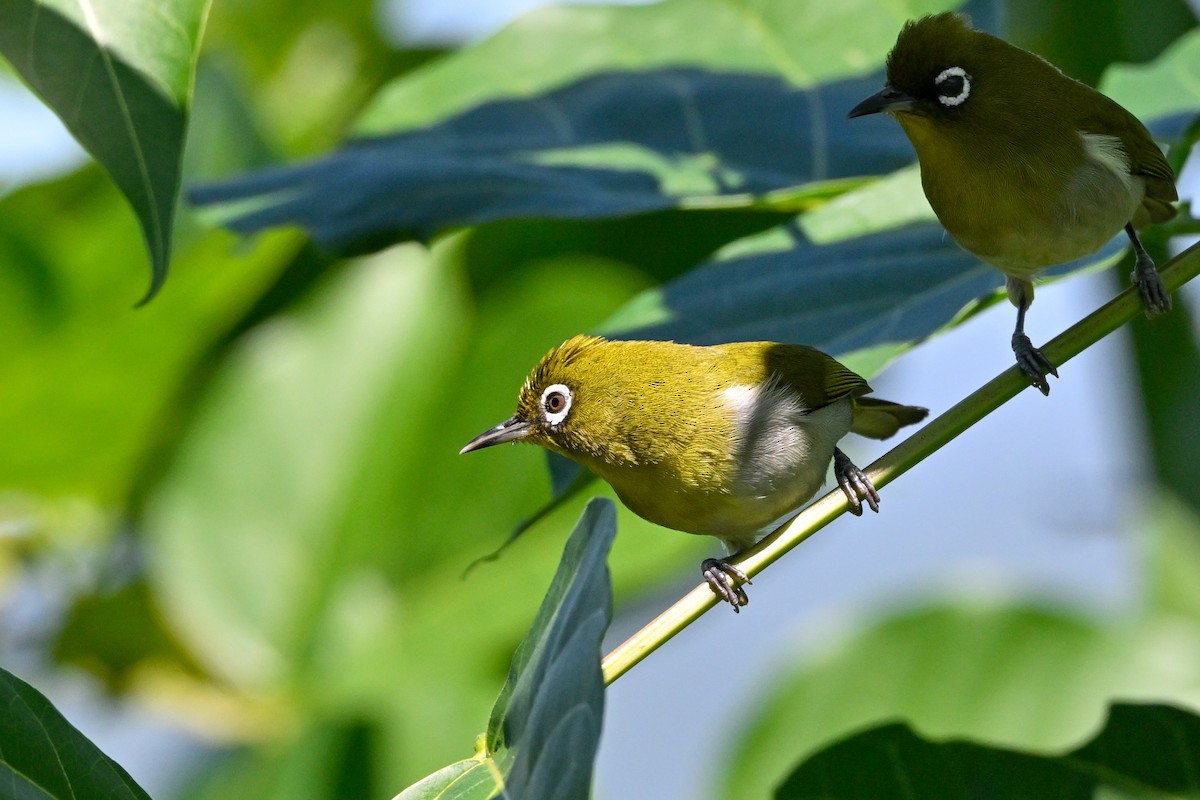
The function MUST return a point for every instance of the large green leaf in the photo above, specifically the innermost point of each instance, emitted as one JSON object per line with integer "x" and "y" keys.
{"x": 865, "y": 300}
{"x": 614, "y": 111}
{"x": 119, "y": 74}
{"x": 1143, "y": 751}
{"x": 806, "y": 42}
{"x": 608, "y": 145}
{"x": 544, "y": 729}
{"x": 44, "y": 756}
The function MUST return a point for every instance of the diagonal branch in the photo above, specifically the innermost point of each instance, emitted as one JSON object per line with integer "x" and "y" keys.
{"x": 897, "y": 461}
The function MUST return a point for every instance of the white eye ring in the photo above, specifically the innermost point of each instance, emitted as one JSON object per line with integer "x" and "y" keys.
{"x": 961, "y": 97}
{"x": 555, "y": 417}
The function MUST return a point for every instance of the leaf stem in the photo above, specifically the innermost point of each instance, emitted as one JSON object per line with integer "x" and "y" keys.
{"x": 897, "y": 461}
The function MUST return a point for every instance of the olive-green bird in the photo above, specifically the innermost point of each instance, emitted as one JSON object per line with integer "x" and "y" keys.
{"x": 1024, "y": 166}
{"x": 725, "y": 441}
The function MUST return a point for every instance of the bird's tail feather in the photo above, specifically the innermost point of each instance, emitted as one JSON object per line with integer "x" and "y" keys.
{"x": 880, "y": 419}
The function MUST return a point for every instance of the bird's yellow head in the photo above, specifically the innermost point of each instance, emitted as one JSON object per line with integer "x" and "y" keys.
{"x": 570, "y": 401}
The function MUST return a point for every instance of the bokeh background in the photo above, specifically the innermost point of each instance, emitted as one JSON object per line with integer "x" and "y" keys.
{"x": 234, "y": 525}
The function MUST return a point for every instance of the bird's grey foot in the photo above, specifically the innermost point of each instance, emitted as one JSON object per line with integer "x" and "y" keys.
{"x": 1033, "y": 363}
{"x": 1155, "y": 297}
{"x": 725, "y": 580}
{"x": 854, "y": 483}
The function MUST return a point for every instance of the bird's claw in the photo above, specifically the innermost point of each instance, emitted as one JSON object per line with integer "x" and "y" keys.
{"x": 1033, "y": 363}
{"x": 1155, "y": 297}
{"x": 855, "y": 483}
{"x": 720, "y": 575}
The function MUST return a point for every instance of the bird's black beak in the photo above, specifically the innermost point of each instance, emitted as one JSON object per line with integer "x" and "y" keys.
{"x": 507, "y": 431}
{"x": 889, "y": 99}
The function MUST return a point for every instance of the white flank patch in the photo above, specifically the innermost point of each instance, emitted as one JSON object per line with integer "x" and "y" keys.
{"x": 777, "y": 440}
{"x": 1108, "y": 151}
{"x": 742, "y": 400}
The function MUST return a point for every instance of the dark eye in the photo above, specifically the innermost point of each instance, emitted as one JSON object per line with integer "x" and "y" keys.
{"x": 953, "y": 86}
{"x": 556, "y": 403}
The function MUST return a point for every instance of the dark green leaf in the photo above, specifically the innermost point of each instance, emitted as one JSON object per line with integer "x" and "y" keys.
{"x": 608, "y": 145}
{"x": 872, "y": 296}
{"x": 1143, "y": 751}
{"x": 1118, "y": 30}
{"x": 663, "y": 245}
{"x": 545, "y": 726}
{"x": 119, "y": 74}
{"x": 42, "y": 755}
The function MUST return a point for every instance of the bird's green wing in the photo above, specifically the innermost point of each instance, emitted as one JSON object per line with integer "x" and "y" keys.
{"x": 818, "y": 378}
{"x": 1146, "y": 159}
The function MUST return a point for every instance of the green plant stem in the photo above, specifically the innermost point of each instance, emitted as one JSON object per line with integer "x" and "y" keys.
{"x": 896, "y": 462}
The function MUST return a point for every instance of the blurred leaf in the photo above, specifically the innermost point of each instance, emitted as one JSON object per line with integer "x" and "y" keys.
{"x": 1173, "y": 556}
{"x": 567, "y": 480}
{"x": 1165, "y": 350}
{"x": 328, "y": 759}
{"x": 1118, "y": 30}
{"x": 119, "y": 75}
{"x": 544, "y": 729}
{"x": 112, "y": 633}
{"x": 332, "y": 55}
{"x": 42, "y": 755}
{"x": 88, "y": 379}
{"x": 223, "y": 134}
{"x": 609, "y": 145}
{"x": 1142, "y": 751}
{"x": 1164, "y": 87}
{"x": 1167, "y": 358}
{"x": 279, "y": 465}
{"x": 1015, "y": 677}
{"x": 263, "y": 34}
